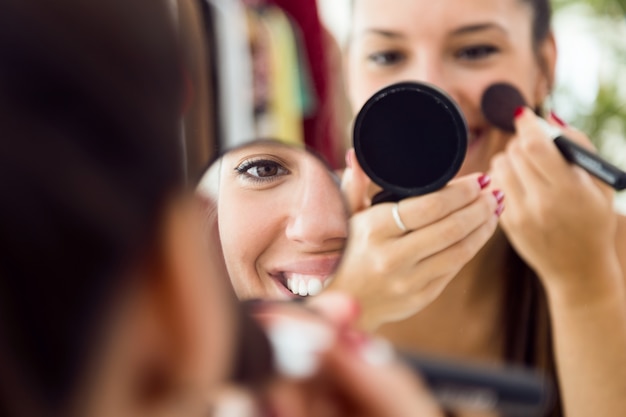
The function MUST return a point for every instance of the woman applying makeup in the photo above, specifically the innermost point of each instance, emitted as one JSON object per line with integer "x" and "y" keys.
{"x": 548, "y": 289}
{"x": 283, "y": 225}
{"x": 112, "y": 302}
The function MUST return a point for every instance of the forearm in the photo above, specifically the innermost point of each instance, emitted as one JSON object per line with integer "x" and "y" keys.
{"x": 590, "y": 346}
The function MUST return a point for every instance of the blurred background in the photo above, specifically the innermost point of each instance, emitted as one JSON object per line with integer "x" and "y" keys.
{"x": 590, "y": 92}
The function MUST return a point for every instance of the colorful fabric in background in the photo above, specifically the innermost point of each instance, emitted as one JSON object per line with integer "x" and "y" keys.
{"x": 282, "y": 90}
{"x": 323, "y": 130}
{"x": 271, "y": 76}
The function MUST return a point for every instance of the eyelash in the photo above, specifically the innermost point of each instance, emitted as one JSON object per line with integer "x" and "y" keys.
{"x": 471, "y": 53}
{"x": 247, "y": 165}
{"x": 477, "y": 52}
{"x": 385, "y": 58}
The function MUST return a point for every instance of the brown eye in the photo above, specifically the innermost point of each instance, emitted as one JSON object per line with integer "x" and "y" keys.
{"x": 385, "y": 58}
{"x": 477, "y": 52}
{"x": 261, "y": 170}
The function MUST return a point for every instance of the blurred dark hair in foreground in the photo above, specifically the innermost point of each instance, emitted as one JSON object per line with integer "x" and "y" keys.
{"x": 89, "y": 106}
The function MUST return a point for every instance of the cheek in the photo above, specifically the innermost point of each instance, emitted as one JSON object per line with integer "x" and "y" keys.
{"x": 247, "y": 227}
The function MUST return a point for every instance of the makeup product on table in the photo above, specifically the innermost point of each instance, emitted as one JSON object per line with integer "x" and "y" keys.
{"x": 499, "y": 103}
{"x": 508, "y": 390}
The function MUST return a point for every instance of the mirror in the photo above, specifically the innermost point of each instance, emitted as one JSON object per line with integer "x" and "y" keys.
{"x": 282, "y": 220}
{"x": 283, "y": 226}
{"x": 411, "y": 139}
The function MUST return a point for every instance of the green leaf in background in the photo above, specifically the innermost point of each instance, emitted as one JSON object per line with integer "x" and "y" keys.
{"x": 604, "y": 119}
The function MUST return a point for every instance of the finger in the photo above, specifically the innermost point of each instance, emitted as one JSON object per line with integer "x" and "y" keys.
{"x": 378, "y": 388}
{"x": 570, "y": 132}
{"x": 452, "y": 229}
{"x": 525, "y": 171}
{"x": 540, "y": 149}
{"x": 418, "y": 212}
{"x": 448, "y": 262}
{"x": 505, "y": 179}
{"x": 233, "y": 401}
{"x": 338, "y": 308}
{"x": 580, "y": 138}
{"x": 355, "y": 183}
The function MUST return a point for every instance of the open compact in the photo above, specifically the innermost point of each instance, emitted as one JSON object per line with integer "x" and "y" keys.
{"x": 410, "y": 138}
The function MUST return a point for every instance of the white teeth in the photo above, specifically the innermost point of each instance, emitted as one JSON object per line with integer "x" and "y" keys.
{"x": 305, "y": 285}
{"x": 314, "y": 286}
{"x": 302, "y": 288}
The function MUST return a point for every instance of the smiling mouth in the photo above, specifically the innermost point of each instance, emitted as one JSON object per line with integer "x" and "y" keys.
{"x": 304, "y": 285}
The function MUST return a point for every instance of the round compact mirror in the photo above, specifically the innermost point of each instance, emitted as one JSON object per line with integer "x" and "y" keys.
{"x": 282, "y": 220}
{"x": 411, "y": 139}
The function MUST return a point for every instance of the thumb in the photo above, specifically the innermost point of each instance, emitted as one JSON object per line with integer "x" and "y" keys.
{"x": 355, "y": 184}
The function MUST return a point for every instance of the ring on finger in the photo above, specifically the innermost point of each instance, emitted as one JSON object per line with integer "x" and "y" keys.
{"x": 395, "y": 211}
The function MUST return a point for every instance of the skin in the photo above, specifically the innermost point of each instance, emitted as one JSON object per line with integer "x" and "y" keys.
{"x": 552, "y": 207}
{"x": 461, "y": 47}
{"x": 289, "y": 222}
{"x": 180, "y": 324}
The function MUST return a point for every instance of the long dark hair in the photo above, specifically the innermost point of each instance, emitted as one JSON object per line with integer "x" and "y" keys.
{"x": 89, "y": 107}
{"x": 526, "y": 318}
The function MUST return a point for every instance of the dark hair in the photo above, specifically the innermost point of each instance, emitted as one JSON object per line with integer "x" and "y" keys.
{"x": 89, "y": 107}
{"x": 542, "y": 17}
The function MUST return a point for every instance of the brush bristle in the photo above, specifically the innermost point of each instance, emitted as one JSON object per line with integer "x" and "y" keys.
{"x": 499, "y": 103}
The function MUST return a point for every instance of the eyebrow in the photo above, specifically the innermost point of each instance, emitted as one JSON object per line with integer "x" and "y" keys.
{"x": 478, "y": 28}
{"x": 383, "y": 32}
{"x": 457, "y": 32}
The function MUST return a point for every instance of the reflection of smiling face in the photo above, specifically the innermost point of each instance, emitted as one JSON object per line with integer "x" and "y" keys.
{"x": 462, "y": 46}
{"x": 282, "y": 221}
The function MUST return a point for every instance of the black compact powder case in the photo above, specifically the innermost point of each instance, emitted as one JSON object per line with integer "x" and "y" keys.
{"x": 410, "y": 138}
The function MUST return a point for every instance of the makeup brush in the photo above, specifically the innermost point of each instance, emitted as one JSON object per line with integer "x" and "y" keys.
{"x": 499, "y": 103}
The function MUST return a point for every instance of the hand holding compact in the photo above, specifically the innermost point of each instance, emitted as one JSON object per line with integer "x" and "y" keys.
{"x": 393, "y": 272}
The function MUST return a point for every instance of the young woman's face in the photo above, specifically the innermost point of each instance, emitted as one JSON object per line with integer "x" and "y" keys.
{"x": 282, "y": 221}
{"x": 462, "y": 46}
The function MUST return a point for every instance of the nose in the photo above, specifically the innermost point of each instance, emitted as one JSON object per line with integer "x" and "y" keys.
{"x": 430, "y": 69}
{"x": 318, "y": 216}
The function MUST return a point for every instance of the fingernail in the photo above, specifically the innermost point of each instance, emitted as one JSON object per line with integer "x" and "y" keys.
{"x": 297, "y": 346}
{"x": 518, "y": 112}
{"x": 558, "y": 119}
{"x": 500, "y": 209}
{"x": 499, "y": 195}
{"x": 484, "y": 180}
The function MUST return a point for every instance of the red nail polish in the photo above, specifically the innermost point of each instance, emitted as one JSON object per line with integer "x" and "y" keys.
{"x": 499, "y": 195}
{"x": 558, "y": 119}
{"x": 518, "y": 112}
{"x": 484, "y": 180}
{"x": 500, "y": 209}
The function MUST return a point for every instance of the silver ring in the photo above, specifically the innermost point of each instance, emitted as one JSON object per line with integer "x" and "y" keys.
{"x": 395, "y": 211}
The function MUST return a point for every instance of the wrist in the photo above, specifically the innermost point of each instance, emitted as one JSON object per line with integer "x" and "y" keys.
{"x": 598, "y": 282}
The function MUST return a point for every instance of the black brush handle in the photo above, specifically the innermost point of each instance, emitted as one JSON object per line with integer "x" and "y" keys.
{"x": 509, "y": 391}
{"x": 591, "y": 162}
